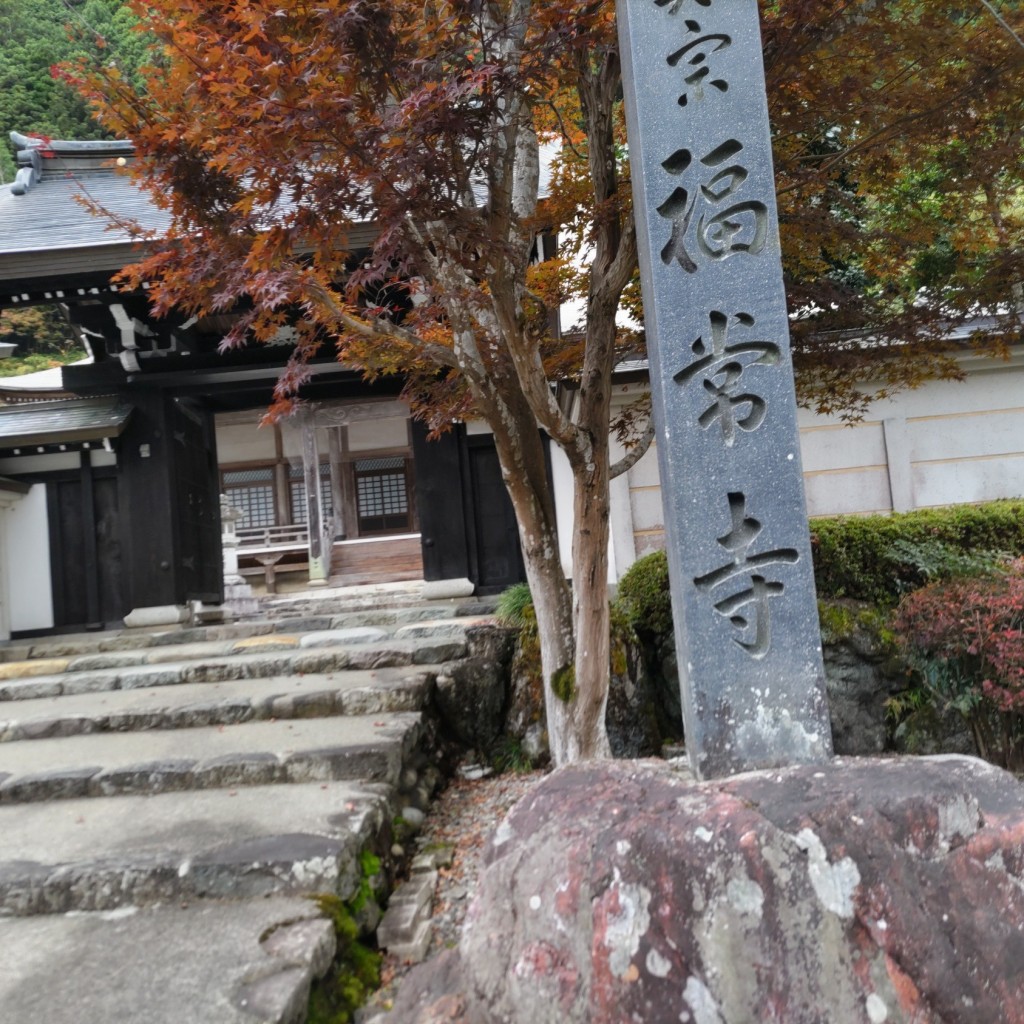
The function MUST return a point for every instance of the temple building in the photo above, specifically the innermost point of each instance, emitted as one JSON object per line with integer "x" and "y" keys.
{"x": 112, "y": 469}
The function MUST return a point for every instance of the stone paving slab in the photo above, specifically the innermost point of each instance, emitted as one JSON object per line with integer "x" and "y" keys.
{"x": 434, "y": 629}
{"x": 248, "y": 754}
{"x": 260, "y": 665}
{"x": 104, "y": 852}
{"x": 187, "y": 705}
{"x": 241, "y": 963}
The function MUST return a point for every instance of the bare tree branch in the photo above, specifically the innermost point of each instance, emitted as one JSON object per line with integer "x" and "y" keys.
{"x": 635, "y": 454}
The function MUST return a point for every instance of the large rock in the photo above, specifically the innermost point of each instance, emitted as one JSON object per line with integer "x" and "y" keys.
{"x": 865, "y": 891}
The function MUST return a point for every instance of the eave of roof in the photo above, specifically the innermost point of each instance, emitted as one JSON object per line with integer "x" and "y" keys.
{"x": 48, "y": 423}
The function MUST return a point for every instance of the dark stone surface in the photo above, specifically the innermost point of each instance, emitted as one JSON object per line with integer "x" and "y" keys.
{"x": 861, "y": 891}
{"x": 631, "y": 717}
{"x": 472, "y": 693}
{"x": 859, "y": 682}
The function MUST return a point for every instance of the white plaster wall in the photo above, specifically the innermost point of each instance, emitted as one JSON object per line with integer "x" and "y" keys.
{"x": 948, "y": 442}
{"x": 245, "y": 442}
{"x": 365, "y": 435}
{"x": 561, "y": 477}
{"x": 26, "y": 562}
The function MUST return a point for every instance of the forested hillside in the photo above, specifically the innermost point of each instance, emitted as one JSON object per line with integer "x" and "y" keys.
{"x": 36, "y": 35}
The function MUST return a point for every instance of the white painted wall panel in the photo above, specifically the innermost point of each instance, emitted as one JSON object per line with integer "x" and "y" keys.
{"x": 966, "y": 435}
{"x": 365, "y": 435}
{"x": 27, "y": 561}
{"x": 245, "y": 442}
{"x": 645, "y": 543}
{"x": 830, "y": 494}
{"x": 968, "y": 481}
{"x": 993, "y": 386}
{"x": 645, "y": 472}
{"x": 645, "y": 504}
{"x": 842, "y": 447}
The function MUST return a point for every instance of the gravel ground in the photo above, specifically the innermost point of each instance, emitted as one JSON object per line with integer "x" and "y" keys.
{"x": 462, "y": 817}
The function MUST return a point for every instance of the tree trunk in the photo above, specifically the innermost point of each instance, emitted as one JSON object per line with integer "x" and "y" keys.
{"x": 575, "y": 673}
{"x": 590, "y": 606}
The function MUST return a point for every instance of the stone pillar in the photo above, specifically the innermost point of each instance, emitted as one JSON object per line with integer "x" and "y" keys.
{"x": 319, "y": 543}
{"x": 722, "y": 385}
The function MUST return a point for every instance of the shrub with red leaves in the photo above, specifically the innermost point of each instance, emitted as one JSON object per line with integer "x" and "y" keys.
{"x": 965, "y": 639}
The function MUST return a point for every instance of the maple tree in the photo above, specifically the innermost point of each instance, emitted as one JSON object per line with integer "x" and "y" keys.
{"x": 274, "y": 134}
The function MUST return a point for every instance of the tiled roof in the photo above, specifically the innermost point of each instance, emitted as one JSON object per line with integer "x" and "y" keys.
{"x": 51, "y": 216}
{"x": 51, "y": 422}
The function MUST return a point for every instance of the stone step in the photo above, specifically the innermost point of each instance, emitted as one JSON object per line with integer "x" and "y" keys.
{"x": 61, "y": 677}
{"x": 72, "y": 644}
{"x": 105, "y": 852}
{"x": 187, "y": 705}
{"x": 163, "y": 654}
{"x": 225, "y": 636}
{"x": 369, "y": 748}
{"x": 345, "y": 598}
{"x": 385, "y": 617}
{"x": 232, "y": 963}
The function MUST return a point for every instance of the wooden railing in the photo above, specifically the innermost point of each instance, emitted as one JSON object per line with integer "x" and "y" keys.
{"x": 268, "y": 546}
{"x": 273, "y": 538}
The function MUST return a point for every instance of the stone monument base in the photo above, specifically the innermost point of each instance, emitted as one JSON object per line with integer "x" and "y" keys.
{"x": 864, "y": 890}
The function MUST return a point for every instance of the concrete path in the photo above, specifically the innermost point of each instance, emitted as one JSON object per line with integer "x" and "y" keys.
{"x": 168, "y": 803}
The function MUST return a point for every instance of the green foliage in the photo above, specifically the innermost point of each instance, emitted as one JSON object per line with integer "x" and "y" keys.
{"x": 15, "y": 367}
{"x": 938, "y": 560}
{"x": 356, "y": 969}
{"x": 644, "y": 599}
{"x": 879, "y": 558}
{"x": 40, "y": 34}
{"x": 515, "y": 606}
{"x": 841, "y": 620}
{"x": 510, "y": 756}
{"x": 964, "y": 640}
{"x": 37, "y": 329}
{"x": 369, "y": 870}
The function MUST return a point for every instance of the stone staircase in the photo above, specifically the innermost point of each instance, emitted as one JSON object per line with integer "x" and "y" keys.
{"x": 169, "y": 801}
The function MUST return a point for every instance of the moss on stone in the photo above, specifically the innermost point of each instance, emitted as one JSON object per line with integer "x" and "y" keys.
{"x": 355, "y": 973}
{"x": 563, "y": 683}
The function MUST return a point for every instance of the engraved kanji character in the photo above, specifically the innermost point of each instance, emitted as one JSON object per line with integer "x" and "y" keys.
{"x": 720, "y": 366}
{"x": 719, "y": 234}
{"x": 694, "y": 56}
{"x": 755, "y": 589}
{"x": 674, "y": 5}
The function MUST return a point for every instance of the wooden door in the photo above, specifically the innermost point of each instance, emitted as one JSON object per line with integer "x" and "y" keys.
{"x": 85, "y": 549}
{"x": 196, "y": 491}
{"x": 499, "y": 560}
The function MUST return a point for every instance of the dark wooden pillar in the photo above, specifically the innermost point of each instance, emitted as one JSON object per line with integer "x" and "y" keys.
{"x": 146, "y": 501}
{"x": 169, "y": 498}
{"x": 440, "y": 476}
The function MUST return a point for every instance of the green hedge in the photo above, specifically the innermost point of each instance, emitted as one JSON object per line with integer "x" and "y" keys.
{"x": 867, "y": 558}
{"x": 880, "y": 558}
